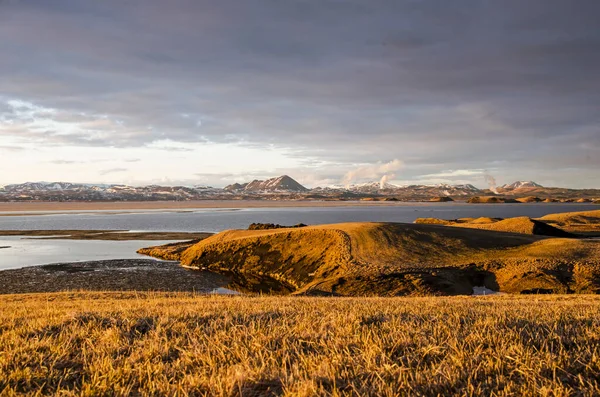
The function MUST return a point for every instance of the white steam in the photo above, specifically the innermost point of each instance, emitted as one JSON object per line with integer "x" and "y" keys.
{"x": 491, "y": 181}
{"x": 384, "y": 180}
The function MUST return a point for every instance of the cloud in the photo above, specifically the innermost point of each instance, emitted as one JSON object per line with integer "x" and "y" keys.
{"x": 11, "y": 148}
{"x": 453, "y": 174}
{"x": 459, "y": 85}
{"x": 65, "y": 162}
{"x": 113, "y": 171}
{"x": 372, "y": 171}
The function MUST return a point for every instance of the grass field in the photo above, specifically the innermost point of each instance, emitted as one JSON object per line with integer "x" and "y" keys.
{"x": 182, "y": 344}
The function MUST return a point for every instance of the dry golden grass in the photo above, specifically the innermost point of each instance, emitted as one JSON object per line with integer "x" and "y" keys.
{"x": 576, "y": 222}
{"x": 90, "y": 344}
{"x": 529, "y": 199}
{"x": 521, "y": 225}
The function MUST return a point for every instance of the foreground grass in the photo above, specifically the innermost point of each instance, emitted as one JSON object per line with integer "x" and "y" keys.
{"x": 182, "y": 344}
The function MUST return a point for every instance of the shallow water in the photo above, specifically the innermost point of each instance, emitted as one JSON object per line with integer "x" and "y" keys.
{"x": 23, "y": 252}
{"x": 216, "y": 220}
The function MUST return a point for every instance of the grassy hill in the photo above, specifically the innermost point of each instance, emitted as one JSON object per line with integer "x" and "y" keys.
{"x": 184, "y": 344}
{"x": 521, "y": 225}
{"x": 568, "y": 224}
{"x": 582, "y": 222}
{"x": 392, "y": 259}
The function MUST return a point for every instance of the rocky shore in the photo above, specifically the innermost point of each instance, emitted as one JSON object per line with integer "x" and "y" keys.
{"x": 110, "y": 275}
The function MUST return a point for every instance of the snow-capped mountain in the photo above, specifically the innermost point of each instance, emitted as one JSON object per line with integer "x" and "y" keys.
{"x": 521, "y": 185}
{"x": 42, "y": 186}
{"x": 279, "y": 188}
{"x": 389, "y": 189}
{"x": 280, "y": 184}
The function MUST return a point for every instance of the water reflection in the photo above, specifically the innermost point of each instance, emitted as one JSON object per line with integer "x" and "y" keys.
{"x": 23, "y": 251}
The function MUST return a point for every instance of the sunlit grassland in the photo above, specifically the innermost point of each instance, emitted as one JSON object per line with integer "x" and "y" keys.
{"x": 183, "y": 344}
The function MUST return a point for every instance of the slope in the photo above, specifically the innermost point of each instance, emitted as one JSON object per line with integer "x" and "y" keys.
{"x": 397, "y": 259}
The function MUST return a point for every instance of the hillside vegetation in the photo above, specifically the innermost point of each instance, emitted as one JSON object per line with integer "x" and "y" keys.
{"x": 83, "y": 344}
{"x": 392, "y": 259}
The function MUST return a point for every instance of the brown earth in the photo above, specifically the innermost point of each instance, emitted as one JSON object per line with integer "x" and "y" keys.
{"x": 400, "y": 259}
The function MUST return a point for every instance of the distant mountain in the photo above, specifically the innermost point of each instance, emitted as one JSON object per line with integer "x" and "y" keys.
{"x": 388, "y": 189}
{"x": 42, "y": 186}
{"x": 274, "y": 185}
{"x": 64, "y": 191}
{"x": 279, "y": 188}
{"x": 521, "y": 185}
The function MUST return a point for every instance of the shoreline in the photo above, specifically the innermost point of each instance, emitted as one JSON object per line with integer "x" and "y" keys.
{"x": 120, "y": 207}
{"x": 46, "y": 207}
{"x": 104, "y": 235}
{"x": 114, "y": 275}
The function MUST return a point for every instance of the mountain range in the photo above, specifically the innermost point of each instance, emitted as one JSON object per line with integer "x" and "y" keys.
{"x": 282, "y": 187}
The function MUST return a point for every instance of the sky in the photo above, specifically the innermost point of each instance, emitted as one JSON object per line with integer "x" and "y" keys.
{"x": 204, "y": 92}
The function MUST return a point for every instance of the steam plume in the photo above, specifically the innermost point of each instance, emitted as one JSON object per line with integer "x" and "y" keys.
{"x": 384, "y": 180}
{"x": 491, "y": 181}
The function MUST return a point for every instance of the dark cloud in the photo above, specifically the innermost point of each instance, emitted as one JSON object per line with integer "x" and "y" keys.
{"x": 441, "y": 85}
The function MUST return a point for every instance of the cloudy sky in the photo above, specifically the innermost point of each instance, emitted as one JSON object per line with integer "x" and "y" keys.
{"x": 210, "y": 92}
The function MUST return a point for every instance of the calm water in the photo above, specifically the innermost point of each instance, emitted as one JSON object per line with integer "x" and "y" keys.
{"x": 212, "y": 220}
{"x": 28, "y": 252}
{"x": 24, "y": 252}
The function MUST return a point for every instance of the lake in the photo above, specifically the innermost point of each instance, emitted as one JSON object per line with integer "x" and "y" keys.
{"x": 28, "y": 252}
{"x": 216, "y": 220}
